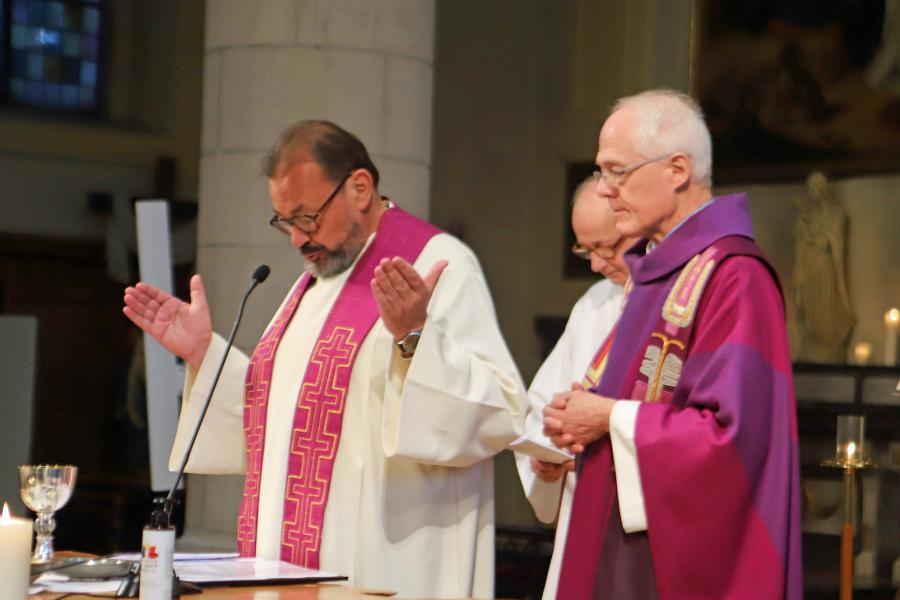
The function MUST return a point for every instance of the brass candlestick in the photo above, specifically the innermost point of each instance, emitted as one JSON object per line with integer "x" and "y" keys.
{"x": 851, "y": 456}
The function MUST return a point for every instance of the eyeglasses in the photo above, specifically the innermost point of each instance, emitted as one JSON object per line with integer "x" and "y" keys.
{"x": 613, "y": 177}
{"x": 605, "y": 252}
{"x": 307, "y": 223}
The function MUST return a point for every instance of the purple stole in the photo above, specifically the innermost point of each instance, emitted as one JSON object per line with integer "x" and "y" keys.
{"x": 323, "y": 394}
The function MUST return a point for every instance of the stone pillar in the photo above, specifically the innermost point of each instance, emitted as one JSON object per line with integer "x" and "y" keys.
{"x": 366, "y": 65}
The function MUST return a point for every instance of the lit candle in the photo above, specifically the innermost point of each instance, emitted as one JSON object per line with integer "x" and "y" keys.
{"x": 862, "y": 352}
{"x": 15, "y": 555}
{"x": 891, "y": 326}
{"x": 851, "y": 434}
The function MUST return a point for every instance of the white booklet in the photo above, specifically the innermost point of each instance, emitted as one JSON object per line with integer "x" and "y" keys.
{"x": 537, "y": 445}
{"x": 202, "y": 571}
{"x": 179, "y": 556}
{"x": 52, "y": 582}
{"x": 247, "y": 570}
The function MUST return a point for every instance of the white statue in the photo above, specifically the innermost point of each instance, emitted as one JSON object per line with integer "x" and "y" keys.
{"x": 824, "y": 316}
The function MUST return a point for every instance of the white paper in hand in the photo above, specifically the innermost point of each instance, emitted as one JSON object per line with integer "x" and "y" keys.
{"x": 540, "y": 447}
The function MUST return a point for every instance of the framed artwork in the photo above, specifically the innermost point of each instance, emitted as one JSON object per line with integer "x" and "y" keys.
{"x": 789, "y": 87}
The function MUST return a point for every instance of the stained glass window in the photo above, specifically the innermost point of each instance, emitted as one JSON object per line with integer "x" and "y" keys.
{"x": 51, "y": 52}
{"x": 3, "y": 49}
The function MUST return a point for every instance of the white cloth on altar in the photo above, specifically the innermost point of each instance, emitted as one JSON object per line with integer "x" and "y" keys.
{"x": 411, "y": 503}
{"x": 591, "y": 320}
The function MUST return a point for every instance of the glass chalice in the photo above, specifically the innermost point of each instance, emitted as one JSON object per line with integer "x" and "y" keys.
{"x": 45, "y": 489}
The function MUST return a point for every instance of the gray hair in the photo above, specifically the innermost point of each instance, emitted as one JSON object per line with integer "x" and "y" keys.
{"x": 671, "y": 121}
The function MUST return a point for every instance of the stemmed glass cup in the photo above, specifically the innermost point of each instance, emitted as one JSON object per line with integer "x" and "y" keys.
{"x": 45, "y": 489}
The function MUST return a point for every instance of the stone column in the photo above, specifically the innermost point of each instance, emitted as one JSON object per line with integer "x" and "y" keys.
{"x": 366, "y": 65}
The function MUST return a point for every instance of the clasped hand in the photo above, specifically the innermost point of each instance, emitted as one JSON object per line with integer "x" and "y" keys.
{"x": 550, "y": 472}
{"x": 575, "y": 418}
{"x": 402, "y": 294}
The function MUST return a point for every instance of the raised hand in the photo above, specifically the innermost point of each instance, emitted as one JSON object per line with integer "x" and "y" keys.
{"x": 402, "y": 294}
{"x": 181, "y": 328}
{"x": 550, "y": 472}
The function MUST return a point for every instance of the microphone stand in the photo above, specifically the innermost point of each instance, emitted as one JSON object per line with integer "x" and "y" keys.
{"x": 131, "y": 584}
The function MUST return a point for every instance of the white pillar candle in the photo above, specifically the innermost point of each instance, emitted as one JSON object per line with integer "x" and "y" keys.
{"x": 15, "y": 555}
{"x": 891, "y": 326}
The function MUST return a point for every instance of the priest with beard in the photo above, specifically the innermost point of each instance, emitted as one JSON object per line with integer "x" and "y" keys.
{"x": 366, "y": 420}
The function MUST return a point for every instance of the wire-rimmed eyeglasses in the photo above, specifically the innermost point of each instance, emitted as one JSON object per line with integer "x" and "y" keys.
{"x": 606, "y": 251}
{"x": 307, "y": 223}
{"x": 613, "y": 177}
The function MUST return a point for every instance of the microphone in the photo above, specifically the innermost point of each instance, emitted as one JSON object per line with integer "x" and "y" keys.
{"x": 130, "y": 586}
{"x": 259, "y": 275}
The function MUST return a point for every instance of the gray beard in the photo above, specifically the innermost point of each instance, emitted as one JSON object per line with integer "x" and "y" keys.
{"x": 335, "y": 262}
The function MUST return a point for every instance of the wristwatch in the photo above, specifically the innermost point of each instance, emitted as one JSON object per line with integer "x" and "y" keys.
{"x": 408, "y": 344}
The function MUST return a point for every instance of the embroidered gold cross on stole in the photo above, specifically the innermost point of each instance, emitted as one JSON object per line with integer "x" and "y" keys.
{"x": 660, "y": 367}
{"x": 662, "y": 364}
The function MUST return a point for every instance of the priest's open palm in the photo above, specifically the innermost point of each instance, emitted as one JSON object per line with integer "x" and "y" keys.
{"x": 402, "y": 294}
{"x": 181, "y": 328}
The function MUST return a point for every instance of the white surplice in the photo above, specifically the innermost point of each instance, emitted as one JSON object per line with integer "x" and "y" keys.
{"x": 411, "y": 503}
{"x": 591, "y": 320}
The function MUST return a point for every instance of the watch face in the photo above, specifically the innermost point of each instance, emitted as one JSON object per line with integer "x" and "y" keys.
{"x": 408, "y": 343}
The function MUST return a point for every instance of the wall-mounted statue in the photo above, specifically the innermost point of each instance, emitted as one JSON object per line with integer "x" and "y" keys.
{"x": 824, "y": 317}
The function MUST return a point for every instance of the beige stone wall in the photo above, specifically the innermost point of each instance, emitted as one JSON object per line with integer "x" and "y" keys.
{"x": 365, "y": 64}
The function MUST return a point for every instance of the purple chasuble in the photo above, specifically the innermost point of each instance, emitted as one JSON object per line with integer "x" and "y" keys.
{"x": 323, "y": 394}
{"x": 702, "y": 343}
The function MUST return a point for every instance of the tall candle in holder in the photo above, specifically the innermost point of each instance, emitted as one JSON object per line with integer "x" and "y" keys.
{"x": 15, "y": 555}
{"x": 850, "y": 444}
{"x": 891, "y": 326}
{"x": 850, "y": 455}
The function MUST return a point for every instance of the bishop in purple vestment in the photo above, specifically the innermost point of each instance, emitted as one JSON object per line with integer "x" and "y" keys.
{"x": 688, "y": 478}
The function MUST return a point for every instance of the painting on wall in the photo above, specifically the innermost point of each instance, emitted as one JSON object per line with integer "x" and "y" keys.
{"x": 790, "y": 87}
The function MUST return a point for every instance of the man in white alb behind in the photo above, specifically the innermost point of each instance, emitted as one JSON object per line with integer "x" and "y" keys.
{"x": 572, "y": 359}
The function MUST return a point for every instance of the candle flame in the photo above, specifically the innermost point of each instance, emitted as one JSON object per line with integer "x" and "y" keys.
{"x": 851, "y": 448}
{"x": 4, "y": 519}
{"x": 892, "y": 317}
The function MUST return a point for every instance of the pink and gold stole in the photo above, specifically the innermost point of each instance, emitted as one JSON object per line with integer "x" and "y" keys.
{"x": 598, "y": 365}
{"x": 323, "y": 393}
